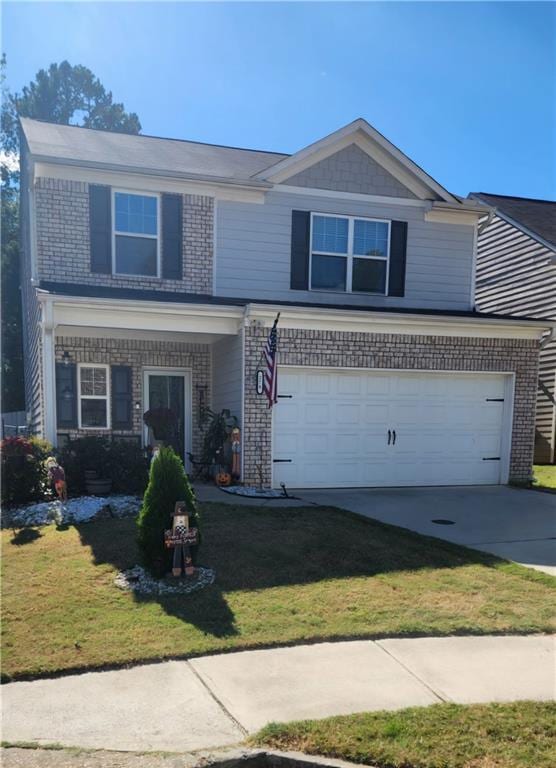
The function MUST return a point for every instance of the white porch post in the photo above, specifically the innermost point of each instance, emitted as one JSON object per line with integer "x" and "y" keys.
{"x": 49, "y": 373}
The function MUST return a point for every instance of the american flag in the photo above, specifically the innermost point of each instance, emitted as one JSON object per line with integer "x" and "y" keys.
{"x": 271, "y": 373}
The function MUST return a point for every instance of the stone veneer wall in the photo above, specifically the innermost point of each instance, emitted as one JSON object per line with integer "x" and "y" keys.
{"x": 62, "y": 213}
{"x": 366, "y": 350}
{"x": 140, "y": 355}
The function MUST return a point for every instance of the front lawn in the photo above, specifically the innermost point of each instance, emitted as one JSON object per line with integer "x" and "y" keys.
{"x": 282, "y": 576}
{"x": 518, "y": 735}
{"x": 544, "y": 476}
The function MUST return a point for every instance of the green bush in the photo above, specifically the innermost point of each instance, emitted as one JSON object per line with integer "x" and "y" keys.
{"x": 24, "y": 475}
{"x": 121, "y": 460}
{"x": 168, "y": 483}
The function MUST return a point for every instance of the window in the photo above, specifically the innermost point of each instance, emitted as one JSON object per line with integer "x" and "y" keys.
{"x": 93, "y": 389}
{"x": 136, "y": 238}
{"x": 349, "y": 254}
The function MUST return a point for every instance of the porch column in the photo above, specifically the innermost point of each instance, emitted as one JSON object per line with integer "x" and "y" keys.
{"x": 49, "y": 374}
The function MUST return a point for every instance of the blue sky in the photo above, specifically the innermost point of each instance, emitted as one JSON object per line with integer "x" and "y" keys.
{"x": 467, "y": 90}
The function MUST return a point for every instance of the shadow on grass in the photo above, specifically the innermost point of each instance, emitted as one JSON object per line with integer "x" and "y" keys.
{"x": 254, "y": 548}
{"x": 25, "y": 536}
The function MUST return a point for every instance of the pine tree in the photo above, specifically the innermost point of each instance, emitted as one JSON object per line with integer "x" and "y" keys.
{"x": 168, "y": 483}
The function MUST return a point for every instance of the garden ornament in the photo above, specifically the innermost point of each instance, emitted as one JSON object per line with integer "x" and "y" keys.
{"x": 235, "y": 438}
{"x": 57, "y": 476}
{"x": 180, "y": 538}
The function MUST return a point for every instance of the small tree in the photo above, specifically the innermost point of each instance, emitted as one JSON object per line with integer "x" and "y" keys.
{"x": 168, "y": 483}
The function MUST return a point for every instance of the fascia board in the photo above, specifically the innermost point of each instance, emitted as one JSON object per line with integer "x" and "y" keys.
{"x": 374, "y": 322}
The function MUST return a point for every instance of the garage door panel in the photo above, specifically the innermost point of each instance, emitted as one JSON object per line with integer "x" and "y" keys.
{"x": 334, "y": 429}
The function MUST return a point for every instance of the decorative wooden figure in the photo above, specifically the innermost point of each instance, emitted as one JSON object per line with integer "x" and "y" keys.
{"x": 57, "y": 476}
{"x": 235, "y": 438}
{"x": 180, "y": 538}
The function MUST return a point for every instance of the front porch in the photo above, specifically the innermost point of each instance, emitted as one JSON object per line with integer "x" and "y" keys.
{"x": 105, "y": 364}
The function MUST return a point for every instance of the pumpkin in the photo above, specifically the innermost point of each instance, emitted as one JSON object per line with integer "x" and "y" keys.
{"x": 223, "y": 478}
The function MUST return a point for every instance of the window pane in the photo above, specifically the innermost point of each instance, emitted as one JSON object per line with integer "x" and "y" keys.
{"x": 330, "y": 234}
{"x": 369, "y": 275}
{"x": 370, "y": 238}
{"x": 135, "y": 213}
{"x": 328, "y": 273}
{"x": 99, "y": 381}
{"x": 87, "y": 381}
{"x": 135, "y": 255}
{"x": 93, "y": 413}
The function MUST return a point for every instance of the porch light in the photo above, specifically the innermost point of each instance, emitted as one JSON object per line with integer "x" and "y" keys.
{"x": 137, "y": 405}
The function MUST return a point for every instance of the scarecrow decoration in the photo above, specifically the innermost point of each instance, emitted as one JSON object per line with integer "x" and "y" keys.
{"x": 180, "y": 538}
{"x": 57, "y": 477}
{"x": 235, "y": 439}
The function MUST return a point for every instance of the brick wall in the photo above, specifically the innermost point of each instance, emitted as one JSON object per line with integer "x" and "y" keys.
{"x": 351, "y": 170}
{"x": 366, "y": 350}
{"x": 140, "y": 355}
{"x": 62, "y": 212}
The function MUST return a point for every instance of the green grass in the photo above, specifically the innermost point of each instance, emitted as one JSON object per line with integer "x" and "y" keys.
{"x": 282, "y": 576}
{"x": 518, "y": 735}
{"x": 544, "y": 476}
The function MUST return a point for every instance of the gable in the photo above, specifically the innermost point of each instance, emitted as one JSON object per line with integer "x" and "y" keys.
{"x": 350, "y": 170}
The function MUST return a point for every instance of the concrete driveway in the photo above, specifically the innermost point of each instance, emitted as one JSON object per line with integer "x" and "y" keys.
{"x": 516, "y": 524}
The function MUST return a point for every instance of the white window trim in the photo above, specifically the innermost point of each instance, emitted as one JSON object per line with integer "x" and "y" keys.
{"x": 105, "y": 397}
{"x": 157, "y": 237}
{"x": 349, "y": 256}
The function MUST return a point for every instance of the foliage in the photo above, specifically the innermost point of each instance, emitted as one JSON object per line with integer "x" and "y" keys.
{"x": 168, "y": 483}
{"x": 519, "y": 734}
{"x": 162, "y": 421}
{"x": 216, "y": 438}
{"x": 61, "y": 94}
{"x": 122, "y": 461}
{"x": 24, "y": 475}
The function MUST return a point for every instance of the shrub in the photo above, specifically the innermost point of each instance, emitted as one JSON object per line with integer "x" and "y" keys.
{"x": 121, "y": 460}
{"x": 24, "y": 475}
{"x": 168, "y": 483}
{"x": 216, "y": 445}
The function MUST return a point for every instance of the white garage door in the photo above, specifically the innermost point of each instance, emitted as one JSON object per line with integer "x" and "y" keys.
{"x": 348, "y": 428}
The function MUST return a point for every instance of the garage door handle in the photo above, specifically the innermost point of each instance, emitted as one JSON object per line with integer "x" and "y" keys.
{"x": 394, "y": 441}
{"x": 389, "y": 436}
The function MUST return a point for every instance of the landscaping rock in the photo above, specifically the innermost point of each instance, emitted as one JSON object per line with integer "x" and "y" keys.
{"x": 82, "y": 509}
{"x": 137, "y": 579}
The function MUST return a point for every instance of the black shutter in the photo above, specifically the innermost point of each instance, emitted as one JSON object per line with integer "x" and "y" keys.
{"x": 172, "y": 237}
{"x": 66, "y": 396}
{"x": 299, "y": 274}
{"x": 100, "y": 221}
{"x": 122, "y": 395}
{"x": 398, "y": 248}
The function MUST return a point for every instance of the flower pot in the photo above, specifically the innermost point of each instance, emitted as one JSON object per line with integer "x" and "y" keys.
{"x": 99, "y": 486}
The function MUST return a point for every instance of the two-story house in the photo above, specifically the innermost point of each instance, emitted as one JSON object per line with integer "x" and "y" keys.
{"x": 153, "y": 270}
{"x": 516, "y": 275}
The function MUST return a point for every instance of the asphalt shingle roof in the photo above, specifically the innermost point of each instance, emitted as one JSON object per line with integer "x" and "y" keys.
{"x": 149, "y": 153}
{"x": 538, "y": 216}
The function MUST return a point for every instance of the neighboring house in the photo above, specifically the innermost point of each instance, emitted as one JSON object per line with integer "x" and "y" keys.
{"x": 516, "y": 275}
{"x": 153, "y": 270}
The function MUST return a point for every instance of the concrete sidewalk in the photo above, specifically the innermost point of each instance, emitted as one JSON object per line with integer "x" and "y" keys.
{"x": 216, "y": 700}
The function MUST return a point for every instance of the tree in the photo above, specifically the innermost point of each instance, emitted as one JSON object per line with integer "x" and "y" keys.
{"x": 66, "y": 94}
{"x": 168, "y": 483}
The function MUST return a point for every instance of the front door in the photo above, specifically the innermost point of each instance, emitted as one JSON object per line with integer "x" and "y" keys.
{"x": 169, "y": 390}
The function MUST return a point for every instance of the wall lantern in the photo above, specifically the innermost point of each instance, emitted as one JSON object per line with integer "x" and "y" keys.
{"x": 137, "y": 405}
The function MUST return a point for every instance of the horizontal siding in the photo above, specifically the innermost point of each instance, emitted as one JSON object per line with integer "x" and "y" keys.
{"x": 227, "y": 375}
{"x": 253, "y": 253}
{"x": 516, "y": 276}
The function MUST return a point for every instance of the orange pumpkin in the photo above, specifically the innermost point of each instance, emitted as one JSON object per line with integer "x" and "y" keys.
{"x": 223, "y": 478}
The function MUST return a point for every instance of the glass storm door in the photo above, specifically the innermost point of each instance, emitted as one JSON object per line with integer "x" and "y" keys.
{"x": 168, "y": 390}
